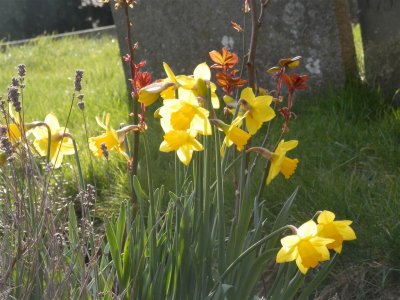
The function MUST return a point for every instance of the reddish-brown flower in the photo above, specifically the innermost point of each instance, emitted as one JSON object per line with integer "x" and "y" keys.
{"x": 227, "y": 78}
{"x": 228, "y": 81}
{"x": 143, "y": 79}
{"x": 295, "y": 82}
{"x": 225, "y": 60}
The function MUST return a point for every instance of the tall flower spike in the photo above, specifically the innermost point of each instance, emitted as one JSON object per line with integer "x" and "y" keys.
{"x": 78, "y": 79}
{"x": 339, "y": 231}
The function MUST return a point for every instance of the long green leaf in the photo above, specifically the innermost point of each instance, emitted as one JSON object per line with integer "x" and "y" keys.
{"x": 317, "y": 280}
{"x": 282, "y": 218}
{"x": 115, "y": 251}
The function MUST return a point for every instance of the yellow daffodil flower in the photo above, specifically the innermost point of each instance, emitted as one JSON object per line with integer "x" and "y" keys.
{"x": 187, "y": 86}
{"x": 183, "y": 115}
{"x": 234, "y": 135}
{"x": 112, "y": 139}
{"x": 281, "y": 163}
{"x": 164, "y": 88}
{"x": 183, "y": 143}
{"x": 13, "y": 133}
{"x": 13, "y": 129}
{"x": 258, "y": 109}
{"x": 150, "y": 93}
{"x": 339, "y": 231}
{"x": 305, "y": 247}
{"x": 60, "y": 145}
{"x": 190, "y": 85}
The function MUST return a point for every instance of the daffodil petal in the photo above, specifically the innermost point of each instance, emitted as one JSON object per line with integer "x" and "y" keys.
{"x": 326, "y": 217}
{"x": 202, "y": 71}
{"x": 52, "y": 122}
{"x": 307, "y": 229}
{"x": 170, "y": 74}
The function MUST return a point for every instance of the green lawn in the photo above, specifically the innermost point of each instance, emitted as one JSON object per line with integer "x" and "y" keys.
{"x": 51, "y": 66}
{"x": 348, "y": 150}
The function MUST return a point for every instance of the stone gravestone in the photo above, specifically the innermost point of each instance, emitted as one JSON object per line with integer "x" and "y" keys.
{"x": 380, "y": 26}
{"x": 22, "y": 19}
{"x": 12, "y": 18}
{"x": 182, "y": 32}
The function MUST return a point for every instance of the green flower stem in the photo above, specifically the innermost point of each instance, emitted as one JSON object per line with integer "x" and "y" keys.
{"x": 39, "y": 124}
{"x": 176, "y": 159}
{"x": 130, "y": 173}
{"x": 78, "y": 162}
{"x": 263, "y": 182}
{"x": 220, "y": 202}
{"x": 176, "y": 173}
{"x": 153, "y": 240}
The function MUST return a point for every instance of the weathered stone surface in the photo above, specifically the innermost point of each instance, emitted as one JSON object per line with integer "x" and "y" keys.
{"x": 380, "y": 25}
{"x": 182, "y": 32}
{"x": 12, "y": 18}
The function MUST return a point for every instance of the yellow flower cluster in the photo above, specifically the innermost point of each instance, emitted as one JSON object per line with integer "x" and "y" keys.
{"x": 312, "y": 241}
{"x": 184, "y": 116}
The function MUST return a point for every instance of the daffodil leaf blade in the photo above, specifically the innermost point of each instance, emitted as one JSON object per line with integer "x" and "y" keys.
{"x": 141, "y": 195}
{"x": 282, "y": 218}
{"x": 318, "y": 278}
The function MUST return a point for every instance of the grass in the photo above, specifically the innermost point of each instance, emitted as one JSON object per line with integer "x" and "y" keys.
{"x": 51, "y": 66}
{"x": 350, "y": 163}
{"x": 348, "y": 151}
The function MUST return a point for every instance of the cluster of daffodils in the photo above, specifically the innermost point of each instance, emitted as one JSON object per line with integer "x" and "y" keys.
{"x": 311, "y": 242}
{"x": 185, "y": 114}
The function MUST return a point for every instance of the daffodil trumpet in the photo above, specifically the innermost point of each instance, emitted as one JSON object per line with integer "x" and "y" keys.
{"x": 233, "y": 134}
